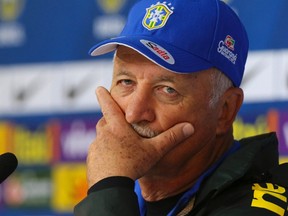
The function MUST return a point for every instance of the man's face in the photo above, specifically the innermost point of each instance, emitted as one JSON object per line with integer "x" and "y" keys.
{"x": 154, "y": 99}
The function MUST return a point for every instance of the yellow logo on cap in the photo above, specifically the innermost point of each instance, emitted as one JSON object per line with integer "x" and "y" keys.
{"x": 157, "y": 15}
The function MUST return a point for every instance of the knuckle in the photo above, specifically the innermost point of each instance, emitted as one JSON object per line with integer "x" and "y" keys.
{"x": 172, "y": 137}
{"x": 100, "y": 124}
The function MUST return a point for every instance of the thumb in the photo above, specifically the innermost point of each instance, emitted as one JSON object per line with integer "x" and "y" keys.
{"x": 171, "y": 137}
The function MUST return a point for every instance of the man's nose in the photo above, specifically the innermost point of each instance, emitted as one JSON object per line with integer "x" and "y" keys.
{"x": 140, "y": 108}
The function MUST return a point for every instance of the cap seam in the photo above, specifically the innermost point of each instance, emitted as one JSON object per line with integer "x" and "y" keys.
{"x": 215, "y": 29}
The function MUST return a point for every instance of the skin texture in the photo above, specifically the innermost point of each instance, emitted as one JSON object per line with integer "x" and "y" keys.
{"x": 158, "y": 127}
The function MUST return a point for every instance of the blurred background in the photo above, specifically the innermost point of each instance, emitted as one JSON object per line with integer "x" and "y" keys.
{"x": 48, "y": 108}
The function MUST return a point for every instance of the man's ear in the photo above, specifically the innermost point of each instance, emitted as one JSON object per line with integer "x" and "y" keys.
{"x": 229, "y": 106}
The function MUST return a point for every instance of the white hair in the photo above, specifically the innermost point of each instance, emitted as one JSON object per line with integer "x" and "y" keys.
{"x": 220, "y": 83}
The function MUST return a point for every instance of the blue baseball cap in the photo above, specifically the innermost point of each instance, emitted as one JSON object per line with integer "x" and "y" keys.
{"x": 185, "y": 36}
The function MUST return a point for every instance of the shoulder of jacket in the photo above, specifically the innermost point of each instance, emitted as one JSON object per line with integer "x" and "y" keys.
{"x": 262, "y": 139}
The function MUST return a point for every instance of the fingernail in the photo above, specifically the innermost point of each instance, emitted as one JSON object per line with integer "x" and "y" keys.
{"x": 188, "y": 130}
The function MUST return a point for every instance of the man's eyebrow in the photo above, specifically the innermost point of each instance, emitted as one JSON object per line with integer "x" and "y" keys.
{"x": 162, "y": 78}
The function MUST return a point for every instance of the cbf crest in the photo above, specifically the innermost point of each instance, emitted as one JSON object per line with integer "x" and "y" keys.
{"x": 157, "y": 15}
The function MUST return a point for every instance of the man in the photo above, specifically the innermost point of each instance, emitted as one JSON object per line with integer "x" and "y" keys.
{"x": 165, "y": 143}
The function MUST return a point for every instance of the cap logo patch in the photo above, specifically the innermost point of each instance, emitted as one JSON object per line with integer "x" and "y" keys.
{"x": 159, "y": 51}
{"x": 157, "y": 15}
{"x": 226, "y": 49}
{"x": 229, "y": 42}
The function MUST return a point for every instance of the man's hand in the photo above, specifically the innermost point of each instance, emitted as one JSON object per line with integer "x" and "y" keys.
{"x": 119, "y": 151}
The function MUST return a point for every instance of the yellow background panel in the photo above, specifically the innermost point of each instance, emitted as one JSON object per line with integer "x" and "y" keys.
{"x": 283, "y": 159}
{"x": 69, "y": 186}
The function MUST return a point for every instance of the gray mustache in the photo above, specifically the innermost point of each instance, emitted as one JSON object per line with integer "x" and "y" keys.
{"x": 144, "y": 130}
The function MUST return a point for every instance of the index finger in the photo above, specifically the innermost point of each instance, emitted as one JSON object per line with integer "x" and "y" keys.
{"x": 110, "y": 109}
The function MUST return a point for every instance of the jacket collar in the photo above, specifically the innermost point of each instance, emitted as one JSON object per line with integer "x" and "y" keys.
{"x": 256, "y": 155}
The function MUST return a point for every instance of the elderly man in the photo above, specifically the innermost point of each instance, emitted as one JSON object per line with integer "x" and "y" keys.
{"x": 165, "y": 143}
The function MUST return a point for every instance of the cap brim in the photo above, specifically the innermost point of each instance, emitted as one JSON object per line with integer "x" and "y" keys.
{"x": 180, "y": 62}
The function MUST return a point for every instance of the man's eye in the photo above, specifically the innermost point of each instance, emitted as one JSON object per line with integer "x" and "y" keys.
{"x": 126, "y": 82}
{"x": 169, "y": 90}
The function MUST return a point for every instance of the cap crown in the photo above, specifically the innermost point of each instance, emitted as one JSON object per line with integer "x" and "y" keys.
{"x": 185, "y": 36}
